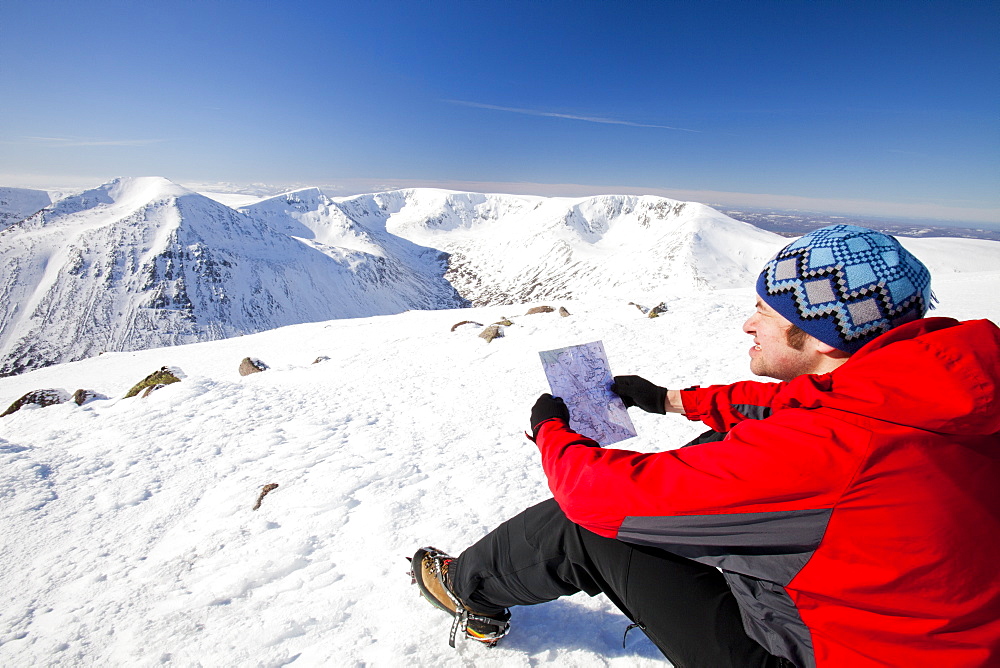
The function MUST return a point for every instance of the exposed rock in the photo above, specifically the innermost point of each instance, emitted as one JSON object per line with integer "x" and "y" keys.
{"x": 164, "y": 376}
{"x": 657, "y": 310}
{"x": 504, "y": 322}
{"x": 491, "y": 332}
{"x": 251, "y": 365}
{"x": 321, "y": 358}
{"x": 38, "y": 398}
{"x": 263, "y": 492}
{"x": 651, "y": 312}
{"x": 152, "y": 388}
{"x": 540, "y": 309}
{"x": 83, "y": 396}
{"x": 465, "y": 322}
{"x": 563, "y": 312}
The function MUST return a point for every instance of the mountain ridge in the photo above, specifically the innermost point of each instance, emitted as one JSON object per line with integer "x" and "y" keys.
{"x": 143, "y": 262}
{"x": 139, "y": 263}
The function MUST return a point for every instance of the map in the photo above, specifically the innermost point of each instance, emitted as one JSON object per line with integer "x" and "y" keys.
{"x": 581, "y": 376}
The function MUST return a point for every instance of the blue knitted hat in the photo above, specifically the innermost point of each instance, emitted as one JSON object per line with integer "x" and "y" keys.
{"x": 845, "y": 285}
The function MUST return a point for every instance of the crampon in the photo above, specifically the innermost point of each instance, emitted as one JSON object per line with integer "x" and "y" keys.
{"x": 429, "y": 571}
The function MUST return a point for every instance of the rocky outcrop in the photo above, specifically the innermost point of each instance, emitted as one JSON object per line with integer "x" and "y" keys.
{"x": 651, "y": 312}
{"x": 264, "y": 492}
{"x": 539, "y": 309}
{"x": 38, "y": 398}
{"x": 491, "y": 332}
{"x": 251, "y": 365}
{"x": 657, "y": 310}
{"x": 80, "y": 397}
{"x": 154, "y": 381}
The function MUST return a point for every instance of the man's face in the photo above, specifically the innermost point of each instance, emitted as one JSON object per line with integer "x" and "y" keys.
{"x": 771, "y": 355}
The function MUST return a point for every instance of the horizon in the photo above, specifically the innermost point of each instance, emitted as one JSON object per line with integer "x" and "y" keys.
{"x": 742, "y": 202}
{"x": 887, "y": 110}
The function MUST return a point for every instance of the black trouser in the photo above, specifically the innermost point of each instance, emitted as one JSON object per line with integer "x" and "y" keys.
{"x": 686, "y": 608}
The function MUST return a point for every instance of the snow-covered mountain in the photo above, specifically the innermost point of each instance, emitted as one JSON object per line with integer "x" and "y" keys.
{"x": 142, "y": 262}
{"x": 508, "y": 249}
{"x": 19, "y": 203}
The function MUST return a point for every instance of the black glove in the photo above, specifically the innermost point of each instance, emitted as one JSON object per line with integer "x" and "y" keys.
{"x": 637, "y": 391}
{"x": 546, "y": 408}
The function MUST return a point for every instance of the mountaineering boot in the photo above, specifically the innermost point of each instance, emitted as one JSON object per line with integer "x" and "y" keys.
{"x": 429, "y": 570}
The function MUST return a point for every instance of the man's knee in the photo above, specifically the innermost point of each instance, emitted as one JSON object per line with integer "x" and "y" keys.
{"x": 544, "y": 525}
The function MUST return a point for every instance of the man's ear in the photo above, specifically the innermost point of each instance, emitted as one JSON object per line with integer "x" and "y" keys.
{"x": 827, "y": 349}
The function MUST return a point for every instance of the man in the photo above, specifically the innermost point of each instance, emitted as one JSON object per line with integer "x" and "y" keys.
{"x": 846, "y": 516}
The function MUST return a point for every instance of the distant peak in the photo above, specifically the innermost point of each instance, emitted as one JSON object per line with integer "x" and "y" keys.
{"x": 305, "y": 192}
{"x": 145, "y": 188}
{"x": 307, "y": 197}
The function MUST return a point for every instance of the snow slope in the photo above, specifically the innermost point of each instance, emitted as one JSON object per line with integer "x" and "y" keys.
{"x": 19, "y": 203}
{"x": 509, "y": 249}
{"x": 143, "y": 262}
{"x": 503, "y": 249}
{"x": 129, "y": 538}
{"x": 319, "y": 222}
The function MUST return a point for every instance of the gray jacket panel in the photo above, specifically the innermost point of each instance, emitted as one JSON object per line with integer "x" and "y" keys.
{"x": 759, "y": 553}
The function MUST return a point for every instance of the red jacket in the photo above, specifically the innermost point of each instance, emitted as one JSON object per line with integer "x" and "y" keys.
{"x": 855, "y": 514}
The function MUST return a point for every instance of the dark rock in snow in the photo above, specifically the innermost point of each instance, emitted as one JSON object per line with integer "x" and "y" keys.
{"x": 539, "y": 309}
{"x": 651, "y": 312}
{"x": 491, "y": 332}
{"x": 83, "y": 396}
{"x": 563, "y": 312}
{"x": 38, "y": 398}
{"x": 465, "y": 322}
{"x": 264, "y": 492}
{"x": 164, "y": 376}
{"x": 657, "y": 310}
{"x": 251, "y": 365}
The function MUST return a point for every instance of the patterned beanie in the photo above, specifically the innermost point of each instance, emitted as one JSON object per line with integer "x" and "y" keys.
{"x": 845, "y": 285}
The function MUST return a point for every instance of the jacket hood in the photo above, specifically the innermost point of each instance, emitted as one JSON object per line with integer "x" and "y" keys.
{"x": 936, "y": 374}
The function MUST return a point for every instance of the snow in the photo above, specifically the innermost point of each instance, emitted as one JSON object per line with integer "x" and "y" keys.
{"x": 129, "y": 538}
{"x": 499, "y": 246}
{"x": 232, "y": 200}
{"x": 19, "y": 203}
{"x": 129, "y": 534}
{"x": 143, "y": 262}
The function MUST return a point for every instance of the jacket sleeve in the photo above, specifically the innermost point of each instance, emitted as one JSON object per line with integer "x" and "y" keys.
{"x": 790, "y": 462}
{"x": 722, "y": 407}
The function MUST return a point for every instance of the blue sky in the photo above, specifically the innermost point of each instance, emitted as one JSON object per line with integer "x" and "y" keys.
{"x": 886, "y": 108}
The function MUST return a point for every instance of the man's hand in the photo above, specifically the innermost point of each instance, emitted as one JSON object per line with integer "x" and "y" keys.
{"x": 546, "y": 408}
{"x": 637, "y": 391}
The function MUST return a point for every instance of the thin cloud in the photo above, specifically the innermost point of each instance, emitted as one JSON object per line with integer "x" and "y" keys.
{"x": 572, "y": 117}
{"x": 72, "y": 141}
